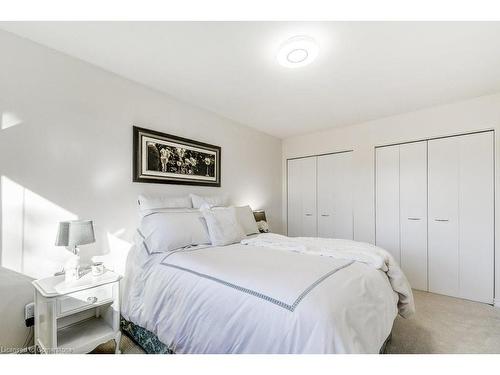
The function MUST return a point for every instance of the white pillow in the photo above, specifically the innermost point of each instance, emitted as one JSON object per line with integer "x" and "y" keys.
{"x": 149, "y": 204}
{"x": 167, "y": 231}
{"x": 153, "y": 202}
{"x": 247, "y": 220}
{"x": 223, "y": 226}
{"x": 214, "y": 201}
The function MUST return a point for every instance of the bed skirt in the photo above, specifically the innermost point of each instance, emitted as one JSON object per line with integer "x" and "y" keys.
{"x": 151, "y": 344}
{"x": 147, "y": 340}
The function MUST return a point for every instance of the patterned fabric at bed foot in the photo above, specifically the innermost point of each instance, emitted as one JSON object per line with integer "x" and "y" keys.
{"x": 147, "y": 340}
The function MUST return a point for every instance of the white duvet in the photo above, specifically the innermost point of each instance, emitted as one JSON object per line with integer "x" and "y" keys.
{"x": 269, "y": 294}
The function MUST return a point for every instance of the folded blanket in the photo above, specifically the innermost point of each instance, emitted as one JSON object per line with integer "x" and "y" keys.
{"x": 362, "y": 252}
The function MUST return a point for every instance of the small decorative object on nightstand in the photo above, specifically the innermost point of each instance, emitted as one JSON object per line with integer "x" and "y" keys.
{"x": 77, "y": 316}
{"x": 260, "y": 218}
{"x": 73, "y": 234}
{"x": 97, "y": 268}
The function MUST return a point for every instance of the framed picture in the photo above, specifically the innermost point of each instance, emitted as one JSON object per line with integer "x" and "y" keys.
{"x": 167, "y": 159}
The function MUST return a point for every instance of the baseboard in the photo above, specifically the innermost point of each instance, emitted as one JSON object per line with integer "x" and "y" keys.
{"x": 496, "y": 302}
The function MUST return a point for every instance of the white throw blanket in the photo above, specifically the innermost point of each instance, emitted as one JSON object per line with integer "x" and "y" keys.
{"x": 345, "y": 249}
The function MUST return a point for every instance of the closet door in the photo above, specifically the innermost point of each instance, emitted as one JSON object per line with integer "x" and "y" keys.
{"x": 387, "y": 199}
{"x": 335, "y": 213}
{"x": 443, "y": 174}
{"x": 476, "y": 209}
{"x": 413, "y": 212}
{"x": 294, "y": 204}
{"x": 309, "y": 217}
{"x": 302, "y": 197}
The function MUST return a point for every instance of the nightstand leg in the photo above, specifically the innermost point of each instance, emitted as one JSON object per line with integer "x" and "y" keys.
{"x": 117, "y": 342}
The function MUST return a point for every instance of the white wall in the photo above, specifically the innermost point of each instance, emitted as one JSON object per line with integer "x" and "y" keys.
{"x": 466, "y": 116}
{"x": 66, "y": 151}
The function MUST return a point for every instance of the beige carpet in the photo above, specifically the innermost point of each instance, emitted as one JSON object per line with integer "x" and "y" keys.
{"x": 441, "y": 325}
{"x": 447, "y": 325}
{"x": 127, "y": 346}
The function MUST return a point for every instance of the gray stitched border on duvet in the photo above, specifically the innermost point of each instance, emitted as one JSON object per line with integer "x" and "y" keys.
{"x": 144, "y": 241}
{"x": 261, "y": 295}
{"x": 187, "y": 248}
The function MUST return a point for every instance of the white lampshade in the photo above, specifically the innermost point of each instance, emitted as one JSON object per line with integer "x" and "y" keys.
{"x": 75, "y": 233}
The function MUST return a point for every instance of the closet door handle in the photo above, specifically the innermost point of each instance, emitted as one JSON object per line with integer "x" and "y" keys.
{"x": 414, "y": 218}
{"x": 309, "y": 214}
{"x": 441, "y": 220}
{"x": 324, "y": 215}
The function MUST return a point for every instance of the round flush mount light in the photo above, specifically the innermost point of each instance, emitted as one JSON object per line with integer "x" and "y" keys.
{"x": 298, "y": 51}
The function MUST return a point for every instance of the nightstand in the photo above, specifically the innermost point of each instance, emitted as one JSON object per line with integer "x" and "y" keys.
{"x": 77, "y": 316}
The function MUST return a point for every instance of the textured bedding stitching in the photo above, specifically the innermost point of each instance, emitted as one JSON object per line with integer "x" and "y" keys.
{"x": 143, "y": 241}
{"x": 187, "y": 248}
{"x": 261, "y": 295}
{"x": 317, "y": 282}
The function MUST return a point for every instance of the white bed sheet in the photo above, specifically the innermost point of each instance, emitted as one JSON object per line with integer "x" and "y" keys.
{"x": 255, "y": 299}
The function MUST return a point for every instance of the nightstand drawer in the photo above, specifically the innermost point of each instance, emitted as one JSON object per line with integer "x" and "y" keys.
{"x": 85, "y": 298}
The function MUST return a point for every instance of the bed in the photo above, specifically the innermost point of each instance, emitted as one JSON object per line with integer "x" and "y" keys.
{"x": 266, "y": 294}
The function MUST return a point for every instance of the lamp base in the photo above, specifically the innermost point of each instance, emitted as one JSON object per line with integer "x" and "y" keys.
{"x": 72, "y": 269}
{"x": 72, "y": 274}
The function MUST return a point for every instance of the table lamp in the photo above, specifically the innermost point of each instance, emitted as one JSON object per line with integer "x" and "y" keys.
{"x": 73, "y": 234}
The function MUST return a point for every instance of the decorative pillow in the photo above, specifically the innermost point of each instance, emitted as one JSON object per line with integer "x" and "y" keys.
{"x": 214, "y": 201}
{"x": 247, "y": 220}
{"x": 167, "y": 231}
{"x": 223, "y": 226}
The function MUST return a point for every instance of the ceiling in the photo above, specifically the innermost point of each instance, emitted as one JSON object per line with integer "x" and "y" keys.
{"x": 364, "y": 70}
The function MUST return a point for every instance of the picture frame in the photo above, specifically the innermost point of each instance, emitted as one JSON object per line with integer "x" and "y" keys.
{"x": 168, "y": 159}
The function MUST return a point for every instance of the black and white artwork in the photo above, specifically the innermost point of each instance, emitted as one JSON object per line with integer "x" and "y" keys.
{"x": 164, "y": 158}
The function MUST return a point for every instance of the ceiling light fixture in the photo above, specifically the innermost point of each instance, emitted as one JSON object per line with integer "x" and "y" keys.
{"x": 298, "y": 51}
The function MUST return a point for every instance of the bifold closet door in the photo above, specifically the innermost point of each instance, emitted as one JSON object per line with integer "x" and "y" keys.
{"x": 476, "y": 210}
{"x": 387, "y": 199}
{"x": 461, "y": 210}
{"x": 413, "y": 212}
{"x": 401, "y": 207}
{"x": 302, "y": 197}
{"x": 335, "y": 213}
{"x": 443, "y": 216}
